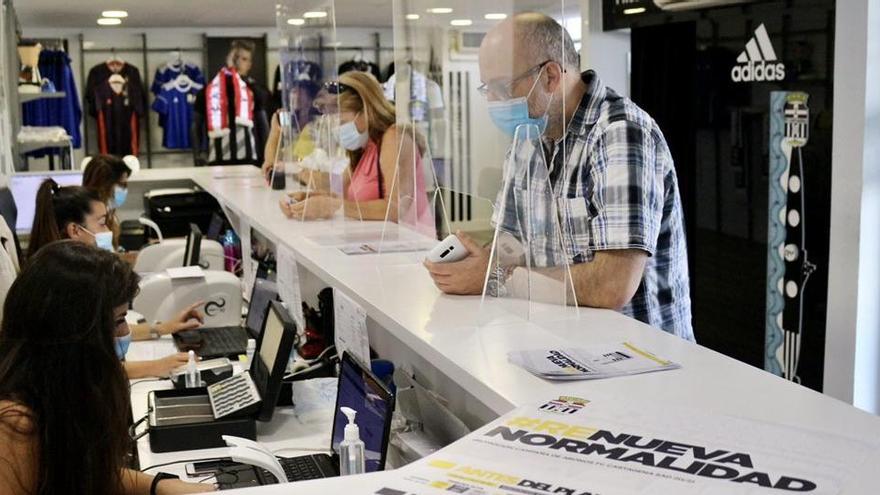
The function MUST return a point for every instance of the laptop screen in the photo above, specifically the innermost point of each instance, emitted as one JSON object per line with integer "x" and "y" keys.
{"x": 215, "y": 227}
{"x": 193, "y": 246}
{"x": 263, "y": 293}
{"x": 374, "y": 405}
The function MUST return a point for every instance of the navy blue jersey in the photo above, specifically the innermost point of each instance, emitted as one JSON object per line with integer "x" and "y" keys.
{"x": 175, "y": 108}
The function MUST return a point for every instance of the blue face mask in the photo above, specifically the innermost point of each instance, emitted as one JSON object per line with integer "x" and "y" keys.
{"x": 103, "y": 240}
{"x": 119, "y": 196}
{"x": 507, "y": 115}
{"x": 350, "y": 138}
{"x": 122, "y": 345}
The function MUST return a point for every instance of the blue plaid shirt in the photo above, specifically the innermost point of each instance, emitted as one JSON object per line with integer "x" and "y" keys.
{"x": 613, "y": 182}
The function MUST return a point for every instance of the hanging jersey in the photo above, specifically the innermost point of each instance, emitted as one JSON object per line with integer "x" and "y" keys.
{"x": 169, "y": 72}
{"x": 175, "y": 108}
{"x": 117, "y": 115}
{"x": 102, "y": 72}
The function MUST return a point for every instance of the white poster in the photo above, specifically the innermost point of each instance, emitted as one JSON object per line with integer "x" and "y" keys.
{"x": 574, "y": 446}
{"x": 350, "y": 325}
{"x": 288, "y": 283}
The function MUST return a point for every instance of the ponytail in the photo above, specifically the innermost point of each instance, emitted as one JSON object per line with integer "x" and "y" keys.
{"x": 56, "y": 208}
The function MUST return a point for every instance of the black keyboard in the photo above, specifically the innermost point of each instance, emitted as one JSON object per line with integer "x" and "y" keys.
{"x": 210, "y": 343}
{"x": 309, "y": 467}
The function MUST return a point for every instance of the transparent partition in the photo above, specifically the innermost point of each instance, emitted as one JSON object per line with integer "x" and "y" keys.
{"x": 529, "y": 273}
{"x": 317, "y": 165}
{"x": 490, "y": 87}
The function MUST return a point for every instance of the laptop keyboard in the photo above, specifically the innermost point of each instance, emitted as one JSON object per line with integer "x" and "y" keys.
{"x": 219, "y": 342}
{"x": 309, "y": 467}
{"x": 301, "y": 468}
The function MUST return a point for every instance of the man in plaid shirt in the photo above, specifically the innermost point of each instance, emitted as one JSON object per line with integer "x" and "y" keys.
{"x": 610, "y": 173}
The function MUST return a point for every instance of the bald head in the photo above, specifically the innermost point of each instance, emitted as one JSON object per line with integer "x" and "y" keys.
{"x": 523, "y": 41}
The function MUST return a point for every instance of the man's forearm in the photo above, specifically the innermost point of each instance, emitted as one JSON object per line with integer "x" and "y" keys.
{"x": 609, "y": 281}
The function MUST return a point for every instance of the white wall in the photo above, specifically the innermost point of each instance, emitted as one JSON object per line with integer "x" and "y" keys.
{"x": 608, "y": 53}
{"x": 852, "y": 349}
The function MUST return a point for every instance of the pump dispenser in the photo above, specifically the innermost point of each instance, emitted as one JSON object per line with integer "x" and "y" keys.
{"x": 193, "y": 375}
{"x": 351, "y": 449}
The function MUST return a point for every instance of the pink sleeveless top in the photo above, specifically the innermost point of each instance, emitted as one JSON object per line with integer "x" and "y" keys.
{"x": 366, "y": 185}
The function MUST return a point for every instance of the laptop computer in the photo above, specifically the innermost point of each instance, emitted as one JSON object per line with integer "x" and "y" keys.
{"x": 209, "y": 343}
{"x": 193, "y": 246}
{"x": 358, "y": 389}
{"x": 215, "y": 228}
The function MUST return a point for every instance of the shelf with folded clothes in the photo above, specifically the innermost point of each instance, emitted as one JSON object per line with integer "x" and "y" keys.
{"x": 26, "y": 97}
{"x": 28, "y": 146}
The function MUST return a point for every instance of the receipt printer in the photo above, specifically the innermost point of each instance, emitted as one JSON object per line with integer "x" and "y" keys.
{"x": 163, "y": 296}
{"x": 170, "y": 253}
{"x": 198, "y": 418}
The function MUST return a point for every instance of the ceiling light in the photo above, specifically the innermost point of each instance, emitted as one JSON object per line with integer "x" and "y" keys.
{"x": 296, "y": 22}
{"x": 109, "y": 21}
{"x": 317, "y": 14}
{"x": 412, "y": 17}
{"x": 461, "y": 22}
{"x": 495, "y": 17}
{"x": 635, "y": 10}
{"x": 440, "y": 10}
{"x": 114, "y": 13}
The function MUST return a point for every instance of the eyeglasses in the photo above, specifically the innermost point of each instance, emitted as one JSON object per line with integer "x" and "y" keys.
{"x": 336, "y": 87}
{"x": 502, "y": 89}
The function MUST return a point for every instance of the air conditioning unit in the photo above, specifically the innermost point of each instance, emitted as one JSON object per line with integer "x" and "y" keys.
{"x": 465, "y": 45}
{"x": 676, "y": 5}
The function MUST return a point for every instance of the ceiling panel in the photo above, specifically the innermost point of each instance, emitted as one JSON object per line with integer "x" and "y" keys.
{"x": 248, "y": 13}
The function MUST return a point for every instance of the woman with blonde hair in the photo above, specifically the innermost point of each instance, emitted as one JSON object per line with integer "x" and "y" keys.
{"x": 385, "y": 174}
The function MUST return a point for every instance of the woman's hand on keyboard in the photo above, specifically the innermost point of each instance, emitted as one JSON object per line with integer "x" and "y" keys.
{"x": 187, "y": 319}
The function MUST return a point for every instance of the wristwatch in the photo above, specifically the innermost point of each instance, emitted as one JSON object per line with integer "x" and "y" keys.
{"x": 496, "y": 285}
{"x": 154, "y": 330}
{"x": 159, "y": 477}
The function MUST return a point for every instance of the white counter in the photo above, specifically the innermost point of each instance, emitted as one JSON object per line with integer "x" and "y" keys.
{"x": 435, "y": 336}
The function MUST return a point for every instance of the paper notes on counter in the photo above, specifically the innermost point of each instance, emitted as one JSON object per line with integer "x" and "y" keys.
{"x": 350, "y": 324}
{"x": 589, "y": 363}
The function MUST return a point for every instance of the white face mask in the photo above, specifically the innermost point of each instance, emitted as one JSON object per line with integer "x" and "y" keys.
{"x": 103, "y": 240}
{"x": 349, "y": 137}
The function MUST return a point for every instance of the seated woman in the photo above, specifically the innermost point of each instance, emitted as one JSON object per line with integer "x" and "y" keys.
{"x": 107, "y": 176}
{"x": 64, "y": 400}
{"x": 385, "y": 176}
{"x": 72, "y": 212}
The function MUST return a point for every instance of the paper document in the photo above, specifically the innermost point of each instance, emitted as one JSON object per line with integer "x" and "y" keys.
{"x": 288, "y": 283}
{"x": 248, "y": 266}
{"x": 194, "y": 271}
{"x": 386, "y": 247}
{"x": 589, "y": 363}
{"x": 350, "y": 323}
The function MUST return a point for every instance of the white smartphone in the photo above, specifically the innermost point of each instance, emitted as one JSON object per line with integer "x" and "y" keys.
{"x": 448, "y": 250}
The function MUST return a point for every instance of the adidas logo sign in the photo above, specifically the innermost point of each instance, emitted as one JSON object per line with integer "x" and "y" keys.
{"x": 757, "y": 61}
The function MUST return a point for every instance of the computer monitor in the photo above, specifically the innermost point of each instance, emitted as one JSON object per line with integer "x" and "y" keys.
{"x": 262, "y": 294}
{"x": 24, "y": 191}
{"x": 270, "y": 360}
{"x": 360, "y": 390}
{"x": 215, "y": 229}
{"x": 193, "y": 246}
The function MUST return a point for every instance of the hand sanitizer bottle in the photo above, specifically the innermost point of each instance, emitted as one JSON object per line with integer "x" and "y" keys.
{"x": 193, "y": 375}
{"x": 351, "y": 449}
{"x": 251, "y": 349}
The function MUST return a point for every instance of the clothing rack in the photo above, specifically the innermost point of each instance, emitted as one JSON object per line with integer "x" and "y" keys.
{"x": 148, "y": 152}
